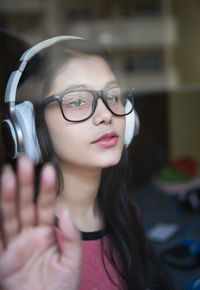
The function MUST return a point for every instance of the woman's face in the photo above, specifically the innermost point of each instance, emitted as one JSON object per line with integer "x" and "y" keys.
{"x": 97, "y": 142}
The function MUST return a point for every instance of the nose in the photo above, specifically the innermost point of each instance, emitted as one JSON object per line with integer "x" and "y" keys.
{"x": 101, "y": 114}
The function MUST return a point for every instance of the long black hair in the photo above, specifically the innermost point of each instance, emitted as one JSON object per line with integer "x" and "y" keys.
{"x": 130, "y": 257}
{"x": 136, "y": 263}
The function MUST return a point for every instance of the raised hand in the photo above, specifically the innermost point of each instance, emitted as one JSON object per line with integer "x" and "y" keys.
{"x": 30, "y": 257}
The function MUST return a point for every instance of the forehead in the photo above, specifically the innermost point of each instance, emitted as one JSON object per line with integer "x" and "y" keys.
{"x": 92, "y": 71}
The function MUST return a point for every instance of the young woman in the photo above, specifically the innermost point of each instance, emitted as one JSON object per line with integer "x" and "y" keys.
{"x": 83, "y": 230}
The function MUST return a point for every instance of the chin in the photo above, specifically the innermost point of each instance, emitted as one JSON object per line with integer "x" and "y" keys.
{"x": 112, "y": 158}
{"x": 108, "y": 162}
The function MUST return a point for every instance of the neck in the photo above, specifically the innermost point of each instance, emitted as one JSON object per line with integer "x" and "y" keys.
{"x": 79, "y": 196}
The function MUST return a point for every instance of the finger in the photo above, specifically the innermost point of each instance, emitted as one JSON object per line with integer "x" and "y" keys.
{"x": 10, "y": 220}
{"x": 47, "y": 196}
{"x": 1, "y": 229}
{"x": 71, "y": 241}
{"x": 25, "y": 171}
{"x": 1, "y": 243}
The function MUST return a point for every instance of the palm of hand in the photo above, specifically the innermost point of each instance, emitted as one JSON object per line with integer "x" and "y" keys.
{"x": 29, "y": 254}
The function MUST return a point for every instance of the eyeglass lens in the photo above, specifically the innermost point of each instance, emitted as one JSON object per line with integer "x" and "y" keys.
{"x": 78, "y": 105}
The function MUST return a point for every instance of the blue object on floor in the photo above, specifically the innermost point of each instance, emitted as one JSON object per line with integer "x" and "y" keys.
{"x": 194, "y": 285}
{"x": 184, "y": 254}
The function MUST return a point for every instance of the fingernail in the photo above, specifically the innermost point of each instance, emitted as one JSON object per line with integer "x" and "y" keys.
{"x": 49, "y": 171}
{"x": 24, "y": 159}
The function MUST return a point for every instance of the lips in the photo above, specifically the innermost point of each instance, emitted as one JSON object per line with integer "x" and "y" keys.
{"x": 107, "y": 140}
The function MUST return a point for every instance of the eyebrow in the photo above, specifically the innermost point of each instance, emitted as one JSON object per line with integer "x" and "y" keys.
{"x": 111, "y": 83}
{"x": 83, "y": 86}
{"x": 75, "y": 86}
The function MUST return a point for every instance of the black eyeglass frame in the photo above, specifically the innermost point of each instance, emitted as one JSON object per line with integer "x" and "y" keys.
{"x": 96, "y": 95}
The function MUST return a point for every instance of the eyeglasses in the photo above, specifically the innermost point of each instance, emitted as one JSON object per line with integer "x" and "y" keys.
{"x": 79, "y": 104}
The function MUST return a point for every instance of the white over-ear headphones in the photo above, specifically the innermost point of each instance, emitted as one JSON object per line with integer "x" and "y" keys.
{"x": 19, "y": 128}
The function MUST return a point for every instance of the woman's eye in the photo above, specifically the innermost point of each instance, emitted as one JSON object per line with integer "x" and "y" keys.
{"x": 112, "y": 98}
{"x": 76, "y": 103}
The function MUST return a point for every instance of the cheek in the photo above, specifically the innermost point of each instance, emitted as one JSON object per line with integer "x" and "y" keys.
{"x": 64, "y": 136}
{"x": 64, "y": 143}
{"x": 121, "y": 125}
{"x": 56, "y": 125}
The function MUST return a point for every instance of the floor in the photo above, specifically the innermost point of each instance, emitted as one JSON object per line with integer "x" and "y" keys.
{"x": 157, "y": 207}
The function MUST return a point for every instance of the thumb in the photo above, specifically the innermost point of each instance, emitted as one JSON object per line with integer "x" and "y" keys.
{"x": 70, "y": 240}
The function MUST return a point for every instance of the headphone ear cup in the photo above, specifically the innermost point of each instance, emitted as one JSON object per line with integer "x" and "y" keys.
{"x": 9, "y": 138}
{"x": 25, "y": 117}
{"x": 130, "y": 124}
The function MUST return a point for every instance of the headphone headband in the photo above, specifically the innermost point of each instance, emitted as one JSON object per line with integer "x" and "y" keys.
{"x": 11, "y": 88}
{"x": 28, "y": 54}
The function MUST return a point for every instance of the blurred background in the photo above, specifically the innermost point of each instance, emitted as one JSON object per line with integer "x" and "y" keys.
{"x": 156, "y": 46}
